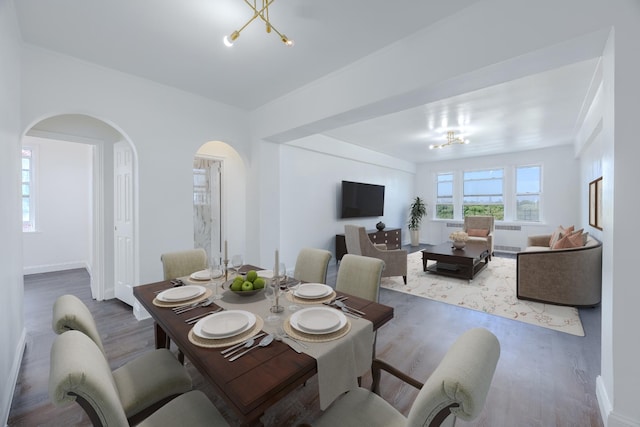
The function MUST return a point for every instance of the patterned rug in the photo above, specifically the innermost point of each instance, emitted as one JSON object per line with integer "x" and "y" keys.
{"x": 492, "y": 291}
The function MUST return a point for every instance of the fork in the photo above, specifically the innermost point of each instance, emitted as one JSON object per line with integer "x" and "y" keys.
{"x": 194, "y": 319}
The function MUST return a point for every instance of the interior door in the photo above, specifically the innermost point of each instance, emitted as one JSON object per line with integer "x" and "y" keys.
{"x": 207, "y": 205}
{"x": 123, "y": 222}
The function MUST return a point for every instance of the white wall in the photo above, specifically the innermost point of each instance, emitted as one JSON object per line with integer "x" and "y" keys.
{"x": 63, "y": 176}
{"x": 560, "y": 199}
{"x": 311, "y": 171}
{"x": 12, "y": 332}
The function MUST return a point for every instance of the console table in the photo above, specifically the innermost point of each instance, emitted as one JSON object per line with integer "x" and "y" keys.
{"x": 391, "y": 237}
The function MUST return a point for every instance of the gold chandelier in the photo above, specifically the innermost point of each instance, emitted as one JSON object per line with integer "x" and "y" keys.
{"x": 451, "y": 140}
{"x": 263, "y": 14}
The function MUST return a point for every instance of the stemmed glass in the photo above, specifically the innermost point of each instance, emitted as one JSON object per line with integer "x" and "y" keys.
{"x": 272, "y": 291}
{"x": 236, "y": 263}
{"x": 284, "y": 285}
{"x": 215, "y": 272}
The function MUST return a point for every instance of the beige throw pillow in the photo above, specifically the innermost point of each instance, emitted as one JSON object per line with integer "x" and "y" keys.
{"x": 477, "y": 232}
{"x": 560, "y": 231}
{"x": 571, "y": 240}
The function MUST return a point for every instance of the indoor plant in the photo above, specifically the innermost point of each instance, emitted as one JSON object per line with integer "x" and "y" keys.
{"x": 417, "y": 211}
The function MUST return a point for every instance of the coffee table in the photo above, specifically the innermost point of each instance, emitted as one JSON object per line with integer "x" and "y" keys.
{"x": 461, "y": 263}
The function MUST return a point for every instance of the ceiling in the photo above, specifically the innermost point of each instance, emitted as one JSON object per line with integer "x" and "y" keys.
{"x": 179, "y": 44}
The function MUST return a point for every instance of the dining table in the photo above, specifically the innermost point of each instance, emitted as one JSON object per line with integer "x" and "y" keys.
{"x": 258, "y": 380}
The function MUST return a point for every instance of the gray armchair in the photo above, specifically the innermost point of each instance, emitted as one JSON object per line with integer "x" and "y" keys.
{"x": 358, "y": 243}
{"x": 456, "y": 389}
{"x": 79, "y": 372}
{"x": 477, "y": 224}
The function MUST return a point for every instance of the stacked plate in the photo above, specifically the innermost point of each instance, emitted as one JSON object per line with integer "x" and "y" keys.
{"x": 201, "y": 275}
{"x": 182, "y": 293}
{"x": 318, "y": 320}
{"x": 224, "y": 324}
{"x": 312, "y": 291}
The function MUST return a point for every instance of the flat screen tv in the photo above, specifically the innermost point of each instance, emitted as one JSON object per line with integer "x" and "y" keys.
{"x": 362, "y": 200}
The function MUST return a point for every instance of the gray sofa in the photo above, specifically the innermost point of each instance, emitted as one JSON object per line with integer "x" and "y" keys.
{"x": 560, "y": 276}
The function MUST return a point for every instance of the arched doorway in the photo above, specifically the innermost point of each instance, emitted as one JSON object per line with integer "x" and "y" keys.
{"x": 101, "y": 138}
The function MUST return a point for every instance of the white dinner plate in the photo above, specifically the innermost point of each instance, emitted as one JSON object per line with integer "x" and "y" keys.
{"x": 266, "y": 274}
{"x": 318, "y": 320}
{"x": 201, "y": 275}
{"x": 181, "y": 293}
{"x": 312, "y": 290}
{"x": 224, "y": 324}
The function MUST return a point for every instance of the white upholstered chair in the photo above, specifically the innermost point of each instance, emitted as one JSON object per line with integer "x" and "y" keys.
{"x": 79, "y": 372}
{"x": 145, "y": 382}
{"x": 480, "y": 228}
{"x": 312, "y": 265}
{"x": 358, "y": 243}
{"x": 456, "y": 389}
{"x": 360, "y": 276}
{"x": 183, "y": 263}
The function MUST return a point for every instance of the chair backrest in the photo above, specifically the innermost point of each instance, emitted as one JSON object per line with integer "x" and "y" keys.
{"x": 481, "y": 222}
{"x": 459, "y": 385}
{"x": 71, "y": 314}
{"x": 183, "y": 263}
{"x": 80, "y": 372}
{"x": 360, "y": 276}
{"x": 312, "y": 265}
{"x": 352, "y": 238}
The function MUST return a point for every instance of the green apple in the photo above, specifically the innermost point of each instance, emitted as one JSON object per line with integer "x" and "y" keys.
{"x": 252, "y": 276}
{"x": 247, "y": 286}
{"x": 237, "y": 285}
{"x": 258, "y": 283}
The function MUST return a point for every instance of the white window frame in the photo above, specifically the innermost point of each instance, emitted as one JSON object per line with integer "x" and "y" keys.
{"x": 31, "y": 226}
{"x": 501, "y": 195}
{"x": 538, "y": 193}
{"x": 438, "y": 197}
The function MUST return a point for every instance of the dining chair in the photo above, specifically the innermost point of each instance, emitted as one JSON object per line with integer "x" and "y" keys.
{"x": 183, "y": 263}
{"x": 360, "y": 276}
{"x": 80, "y": 372}
{"x": 312, "y": 265}
{"x": 457, "y": 388}
{"x": 146, "y": 381}
{"x": 358, "y": 243}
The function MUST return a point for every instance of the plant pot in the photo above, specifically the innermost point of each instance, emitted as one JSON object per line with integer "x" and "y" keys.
{"x": 459, "y": 245}
{"x": 415, "y": 237}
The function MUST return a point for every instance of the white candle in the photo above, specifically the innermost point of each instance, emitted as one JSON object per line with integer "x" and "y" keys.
{"x": 226, "y": 257}
{"x": 275, "y": 272}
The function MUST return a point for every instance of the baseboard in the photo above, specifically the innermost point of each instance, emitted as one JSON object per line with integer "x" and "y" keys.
{"x": 10, "y": 385}
{"x": 49, "y": 268}
{"x": 139, "y": 312}
{"x": 609, "y": 417}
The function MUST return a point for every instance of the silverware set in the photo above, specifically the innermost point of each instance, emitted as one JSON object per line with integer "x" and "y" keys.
{"x": 174, "y": 284}
{"x": 268, "y": 339}
{"x": 339, "y": 303}
{"x": 184, "y": 308}
{"x": 195, "y": 319}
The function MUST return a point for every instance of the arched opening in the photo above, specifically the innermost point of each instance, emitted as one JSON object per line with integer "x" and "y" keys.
{"x": 219, "y": 188}
{"x": 77, "y": 224}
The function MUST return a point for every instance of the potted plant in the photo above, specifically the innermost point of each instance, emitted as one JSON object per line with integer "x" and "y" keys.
{"x": 417, "y": 211}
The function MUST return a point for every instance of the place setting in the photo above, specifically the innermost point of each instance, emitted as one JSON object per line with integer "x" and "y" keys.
{"x": 225, "y": 328}
{"x": 310, "y": 293}
{"x": 317, "y": 324}
{"x": 182, "y": 295}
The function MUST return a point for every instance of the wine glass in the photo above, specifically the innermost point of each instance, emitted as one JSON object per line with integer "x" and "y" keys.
{"x": 236, "y": 263}
{"x": 271, "y": 291}
{"x": 215, "y": 272}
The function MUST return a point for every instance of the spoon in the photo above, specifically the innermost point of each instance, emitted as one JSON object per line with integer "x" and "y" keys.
{"x": 205, "y": 303}
{"x": 342, "y": 305}
{"x": 263, "y": 343}
{"x": 283, "y": 334}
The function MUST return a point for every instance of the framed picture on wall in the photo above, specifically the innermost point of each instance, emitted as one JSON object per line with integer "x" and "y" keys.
{"x": 595, "y": 203}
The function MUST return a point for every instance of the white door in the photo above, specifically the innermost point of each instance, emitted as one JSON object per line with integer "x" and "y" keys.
{"x": 123, "y": 222}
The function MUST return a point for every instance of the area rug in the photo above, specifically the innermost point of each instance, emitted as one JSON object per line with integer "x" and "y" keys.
{"x": 492, "y": 291}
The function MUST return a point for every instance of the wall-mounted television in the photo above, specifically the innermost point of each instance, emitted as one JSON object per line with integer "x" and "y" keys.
{"x": 362, "y": 200}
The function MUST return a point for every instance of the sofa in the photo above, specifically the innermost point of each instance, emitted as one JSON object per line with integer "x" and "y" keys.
{"x": 568, "y": 276}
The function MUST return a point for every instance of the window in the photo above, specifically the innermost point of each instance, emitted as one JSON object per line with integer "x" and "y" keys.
{"x": 444, "y": 203}
{"x": 28, "y": 211}
{"x": 482, "y": 193}
{"x": 528, "y": 193}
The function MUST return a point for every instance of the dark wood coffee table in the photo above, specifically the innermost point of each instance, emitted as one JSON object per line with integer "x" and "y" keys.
{"x": 461, "y": 263}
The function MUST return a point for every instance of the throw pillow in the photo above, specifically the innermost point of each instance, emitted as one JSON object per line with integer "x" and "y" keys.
{"x": 560, "y": 231}
{"x": 477, "y": 232}
{"x": 571, "y": 240}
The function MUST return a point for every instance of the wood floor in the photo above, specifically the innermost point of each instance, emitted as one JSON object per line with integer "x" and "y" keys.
{"x": 544, "y": 378}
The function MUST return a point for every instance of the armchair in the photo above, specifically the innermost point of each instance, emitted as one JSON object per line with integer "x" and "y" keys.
{"x": 358, "y": 243}
{"x": 480, "y": 229}
{"x": 456, "y": 389}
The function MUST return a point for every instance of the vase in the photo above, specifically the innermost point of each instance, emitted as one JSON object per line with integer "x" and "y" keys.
{"x": 380, "y": 226}
{"x": 459, "y": 245}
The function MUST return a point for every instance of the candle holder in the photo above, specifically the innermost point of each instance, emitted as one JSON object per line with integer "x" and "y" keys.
{"x": 276, "y": 307}
{"x": 226, "y": 270}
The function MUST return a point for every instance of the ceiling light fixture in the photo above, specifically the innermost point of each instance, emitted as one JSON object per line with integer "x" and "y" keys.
{"x": 451, "y": 139}
{"x": 262, "y": 14}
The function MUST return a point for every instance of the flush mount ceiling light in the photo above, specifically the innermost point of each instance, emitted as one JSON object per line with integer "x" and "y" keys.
{"x": 263, "y": 14}
{"x": 451, "y": 140}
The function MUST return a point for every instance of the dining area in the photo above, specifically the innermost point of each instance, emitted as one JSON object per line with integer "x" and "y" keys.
{"x": 260, "y": 339}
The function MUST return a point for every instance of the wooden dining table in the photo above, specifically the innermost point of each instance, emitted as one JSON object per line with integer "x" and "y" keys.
{"x": 256, "y": 381}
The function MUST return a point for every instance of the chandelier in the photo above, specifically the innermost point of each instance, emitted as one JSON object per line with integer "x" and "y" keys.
{"x": 262, "y": 13}
{"x": 451, "y": 140}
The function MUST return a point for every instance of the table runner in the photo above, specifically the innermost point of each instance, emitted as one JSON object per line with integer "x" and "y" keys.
{"x": 340, "y": 362}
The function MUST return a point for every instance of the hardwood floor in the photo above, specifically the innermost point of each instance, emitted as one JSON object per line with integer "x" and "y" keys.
{"x": 544, "y": 378}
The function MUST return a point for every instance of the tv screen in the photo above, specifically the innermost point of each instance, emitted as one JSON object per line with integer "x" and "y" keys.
{"x": 362, "y": 200}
